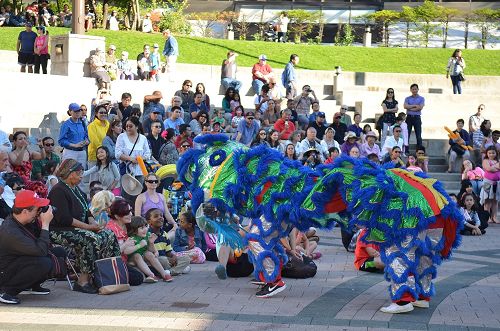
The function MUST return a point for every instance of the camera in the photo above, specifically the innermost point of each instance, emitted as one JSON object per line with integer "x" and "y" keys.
{"x": 45, "y": 208}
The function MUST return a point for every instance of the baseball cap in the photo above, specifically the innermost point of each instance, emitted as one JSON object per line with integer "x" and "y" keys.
{"x": 262, "y": 57}
{"x": 27, "y": 198}
{"x": 156, "y": 46}
{"x": 321, "y": 114}
{"x": 156, "y": 111}
{"x": 29, "y": 24}
{"x": 250, "y": 114}
{"x": 74, "y": 106}
{"x": 113, "y": 47}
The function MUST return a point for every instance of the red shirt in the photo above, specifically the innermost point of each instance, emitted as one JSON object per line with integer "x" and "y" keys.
{"x": 360, "y": 254}
{"x": 280, "y": 126}
{"x": 263, "y": 69}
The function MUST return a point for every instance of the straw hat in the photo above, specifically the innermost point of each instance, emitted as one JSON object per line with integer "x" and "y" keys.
{"x": 309, "y": 151}
{"x": 131, "y": 185}
{"x": 350, "y": 134}
{"x": 371, "y": 134}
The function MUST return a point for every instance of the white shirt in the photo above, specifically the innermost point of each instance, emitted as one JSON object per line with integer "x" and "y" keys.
{"x": 124, "y": 146}
{"x": 113, "y": 23}
{"x": 147, "y": 25}
{"x": 283, "y": 23}
{"x": 390, "y": 142}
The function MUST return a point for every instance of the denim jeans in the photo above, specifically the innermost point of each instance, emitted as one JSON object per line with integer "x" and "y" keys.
{"x": 257, "y": 85}
{"x": 457, "y": 84}
{"x": 229, "y": 82}
{"x": 415, "y": 121}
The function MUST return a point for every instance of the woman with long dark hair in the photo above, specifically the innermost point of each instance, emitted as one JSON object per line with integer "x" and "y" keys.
{"x": 390, "y": 108}
{"x": 106, "y": 170}
{"x": 200, "y": 87}
{"x": 455, "y": 69}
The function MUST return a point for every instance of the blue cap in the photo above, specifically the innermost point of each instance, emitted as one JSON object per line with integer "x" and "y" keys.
{"x": 321, "y": 114}
{"x": 74, "y": 106}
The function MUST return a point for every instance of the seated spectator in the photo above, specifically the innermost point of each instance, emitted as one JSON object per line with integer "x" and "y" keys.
{"x": 401, "y": 122}
{"x": 106, "y": 170}
{"x": 235, "y": 102}
{"x": 219, "y": 118}
{"x": 369, "y": 147}
{"x": 31, "y": 13}
{"x": 261, "y": 99}
{"x": 113, "y": 21}
{"x": 394, "y": 157}
{"x": 111, "y": 62}
{"x": 273, "y": 139}
{"x": 12, "y": 185}
{"x": 492, "y": 141}
{"x": 490, "y": 193}
{"x": 237, "y": 118}
{"x": 125, "y": 67}
{"x": 247, "y": 129}
{"x": 466, "y": 188}
{"x": 339, "y": 127}
{"x": 175, "y": 102}
{"x": 350, "y": 141}
{"x": 304, "y": 246}
{"x": 50, "y": 169}
{"x": 168, "y": 152}
{"x": 184, "y": 136}
{"x": 46, "y": 14}
{"x": 456, "y": 146}
{"x": 367, "y": 256}
{"x": 189, "y": 239}
{"x": 198, "y": 123}
{"x": 155, "y": 140}
{"x": 329, "y": 141}
{"x": 422, "y": 159}
{"x": 472, "y": 224}
{"x": 114, "y": 130}
{"x": 374, "y": 158}
{"x": 175, "y": 120}
{"x": 290, "y": 152}
{"x": 392, "y": 141}
{"x": 315, "y": 110}
{"x": 319, "y": 124}
{"x": 333, "y": 153}
{"x": 146, "y": 51}
{"x": 295, "y": 139}
{"x": 260, "y": 138}
{"x": 153, "y": 102}
{"x": 228, "y": 72}
{"x": 145, "y": 251}
{"x": 176, "y": 265}
{"x": 200, "y": 87}
{"x": 478, "y": 138}
{"x": 366, "y": 128}
{"x": 226, "y": 103}
{"x": 37, "y": 172}
{"x": 120, "y": 215}
{"x": 197, "y": 106}
{"x": 312, "y": 158}
{"x": 303, "y": 104}
{"x": 311, "y": 142}
{"x": 355, "y": 127}
{"x": 73, "y": 228}
{"x": 261, "y": 73}
{"x": 290, "y": 105}
{"x": 187, "y": 97}
{"x": 354, "y": 152}
{"x": 275, "y": 94}
{"x": 25, "y": 252}
{"x": 98, "y": 69}
{"x": 411, "y": 164}
{"x": 153, "y": 119}
{"x": 270, "y": 116}
{"x": 476, "y": 120}
{"x": 285, "y": 125}
{"x": 65, "y": 16}
{"x": 89, "y": 18}
{"x": 475, "y": 175}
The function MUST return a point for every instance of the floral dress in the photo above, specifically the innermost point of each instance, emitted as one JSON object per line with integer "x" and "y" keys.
{"x": 24, "y": 171}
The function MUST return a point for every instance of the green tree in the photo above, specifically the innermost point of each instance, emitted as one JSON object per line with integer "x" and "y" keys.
{"x": 204, "y": 21}
{"x": 175, "y": 19}
{"x": 426, "y": 15}
{"x": 385, "y": 18}
{"x": 302, "y": 22}
{"x": 447, "y": 15}
{"x": 487, "y": 19}
{"x": 467, "y": 17}
{"x": 243, "y": 27}
{"x": 407, "y": 16}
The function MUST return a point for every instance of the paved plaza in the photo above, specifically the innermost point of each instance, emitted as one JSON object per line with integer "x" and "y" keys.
{"x": 337, "y": 298}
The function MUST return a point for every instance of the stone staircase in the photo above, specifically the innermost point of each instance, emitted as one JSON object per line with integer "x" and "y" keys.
{"x": 437, "y": 169}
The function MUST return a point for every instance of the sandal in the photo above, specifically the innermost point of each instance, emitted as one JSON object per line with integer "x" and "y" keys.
{"x": 150, "y": 280}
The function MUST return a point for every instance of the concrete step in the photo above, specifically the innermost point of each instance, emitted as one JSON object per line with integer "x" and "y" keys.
{"x": 439, "y": 168}
{"x": 451, "y": 187}
{"x": 444, "y": 176}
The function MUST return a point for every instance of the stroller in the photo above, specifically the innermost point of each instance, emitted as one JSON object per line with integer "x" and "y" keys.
{"x": 270, "y": 34}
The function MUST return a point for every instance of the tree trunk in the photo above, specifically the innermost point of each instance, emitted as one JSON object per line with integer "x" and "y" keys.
{"x": 466, "y": 34}
{"x": 484, "y": 36}
{"x": 105, "y": 8}
{"x": 58, "y": 3}
{"x": 407, "y": 34}
{"x": 445, "y": 40}
{"x": 126, "y": 20}
{"x": 137, "y": 16}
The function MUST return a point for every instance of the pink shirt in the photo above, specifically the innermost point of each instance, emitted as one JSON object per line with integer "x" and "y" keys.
{"x": 477, "y": 173}
{"x": 39, "y": 41}
{"x": 121, "y": 234}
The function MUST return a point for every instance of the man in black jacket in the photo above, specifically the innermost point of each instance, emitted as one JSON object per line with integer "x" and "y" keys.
{"x": 25, "y": 260}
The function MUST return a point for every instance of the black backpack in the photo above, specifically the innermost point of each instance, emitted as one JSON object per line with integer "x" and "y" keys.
{"x": 296, "y": 268}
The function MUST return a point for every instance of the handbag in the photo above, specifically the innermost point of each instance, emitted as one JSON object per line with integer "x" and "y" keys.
{"x": 111, "y": 275}
{"x": 461, "y": 77}
{"x": 124, "y": 165}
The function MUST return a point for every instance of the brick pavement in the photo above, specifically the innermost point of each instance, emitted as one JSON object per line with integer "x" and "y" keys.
{"x": 338, "y": 298}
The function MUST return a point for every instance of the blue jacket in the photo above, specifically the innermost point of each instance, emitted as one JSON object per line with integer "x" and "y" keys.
{"x": 181, "y": 241}
{"x": 72, "y": 133}
{"x": 171, "y": 47}
{"x": 288, "y": 75}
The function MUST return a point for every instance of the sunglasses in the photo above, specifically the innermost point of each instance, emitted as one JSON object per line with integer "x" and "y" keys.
{"x": 157, "y": 126}
{"x": 152, "y": 181}
{"x": 250, "y": 118}
{"x": 130, "y": 126}
{"x": 399, "y": 152}
{"x": 262, "y": 133}
{"x": 185, "y": 146}
{"x": 189, "y": 85}
{"x": 397, "y": 130}
{"x": 19, "y": 188}
{"x": 49, "y": 145}
{"x": 390, "y": 91}
{"x": 103, "y": 113}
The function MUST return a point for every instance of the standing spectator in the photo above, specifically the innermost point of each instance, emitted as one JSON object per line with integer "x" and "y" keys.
{"x": 41, "y": 50}
{"x": 369, "y": 147}
{"x": 456, "y": 148}
{"x": 125, "y": 67}
{"x": 345, "y": 118}
{"x": 490, "y": 192}
{"x": 197, "y": 106}
{"x": 154, "y": 60}
{"x": 174, "y": 121}
{"x": 114, "y": 130}
{"x": 73, "y": 136}
{"x": 228, "y": 72}
{"x": 97, "y": 130}
{"x": 394, "y": 140}
{"x": 187, "y": 97}
{"x": 200, "y": 87}
{"x": 476, "y": 119}
{"x": 455, "y": 69}
{"x": 261, "y": 73}
{"x": 284, "y": 125}
{"x": 171, "y": 52}
{"x": 414, "y": 105}
{"x": 113, "y": 21}
{"x": 390, "y": 108}
{"x": 247, "y": 129}
{"x": 155, "y": 139}
{"x": 303, "y": 104}
{"x": 339, "y": 127}
{"x": 283, "y": 21}
{"x": 319, "y": 125}
{"x": 289, "y": 77}
{"x": 98, "y": 68}
{"x": 168, "y": 152}
{"x": 148, "y": 122}
{"x": 26, "y": 47}
{"x": 38, "y": 173}
{"x": 147, "y": 24}
{"x": 153, "y": 103}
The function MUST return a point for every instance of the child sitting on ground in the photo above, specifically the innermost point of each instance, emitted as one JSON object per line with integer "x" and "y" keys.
{"x": 367, "y": 256}
{"x": 169, "y": 261}
{"x": 145, "y": 250}
{"x": 189, "y": 239}
{"x": 100, "y": 204}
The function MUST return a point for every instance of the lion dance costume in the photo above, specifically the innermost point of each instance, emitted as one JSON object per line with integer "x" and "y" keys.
{"x": 408, "y": 215}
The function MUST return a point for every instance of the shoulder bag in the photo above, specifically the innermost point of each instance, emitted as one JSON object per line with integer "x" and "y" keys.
{"x": 124, "y": 165}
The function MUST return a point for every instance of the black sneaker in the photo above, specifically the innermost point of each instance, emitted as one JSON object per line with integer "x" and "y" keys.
{"x": 36, "y": 290}
{"x": 271, "y": 289}
{"x": 9, "y": 299}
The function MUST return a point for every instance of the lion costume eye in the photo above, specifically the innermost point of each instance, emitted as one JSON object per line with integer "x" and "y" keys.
{"x": 217, "y": 158}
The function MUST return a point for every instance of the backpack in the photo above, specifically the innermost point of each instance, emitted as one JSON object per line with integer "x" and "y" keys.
{"x": 296, "y": 268}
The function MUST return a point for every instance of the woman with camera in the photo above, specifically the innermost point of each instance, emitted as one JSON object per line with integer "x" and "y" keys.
{"x": 455, "y": 69}
{"x": 73, "y": 226}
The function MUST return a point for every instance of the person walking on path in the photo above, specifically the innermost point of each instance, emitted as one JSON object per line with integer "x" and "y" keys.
{"x": 289, "y": 77}
{"x": 455, "y": 69}
{"x": 171, "y": 52}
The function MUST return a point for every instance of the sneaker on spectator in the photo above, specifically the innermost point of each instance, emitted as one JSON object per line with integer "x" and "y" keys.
{"x": 221, "y": 271}
{"x": 394, "y": 308}
{"x": 271, "y": 289}
{"x": 167, "y": 278}
{"x": 421, "y": 304}
{"x": 36, "y": 290}
{"x": 9, "y": 299}
{"x": 187, "y": 270}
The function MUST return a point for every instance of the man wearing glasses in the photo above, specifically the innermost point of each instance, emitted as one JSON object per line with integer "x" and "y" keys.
{"x": 247, "y": 129}
{"x": 155, "y": 140}
{"x": 73, "y": 136}
{"x": 476, "y": 119}
{"x": 187, "y": 97}
{"x": 392, "y": 141}
{"x": 148, "y": 122}
{"x": 37, "y": 173}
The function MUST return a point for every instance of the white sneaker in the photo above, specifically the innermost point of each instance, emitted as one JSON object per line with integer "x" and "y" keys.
{"x": 420, "y": 304}
{"x": 394, "y": 308}
{"x": 187, "y": 270}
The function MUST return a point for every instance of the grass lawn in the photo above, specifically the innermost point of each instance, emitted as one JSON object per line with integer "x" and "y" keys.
{"x": 361, "y": 59}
